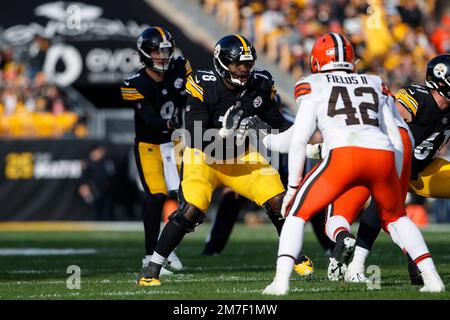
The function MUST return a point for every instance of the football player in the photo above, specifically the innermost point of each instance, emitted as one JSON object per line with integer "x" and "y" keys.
{"x": 352, "y": 112}
{"x": 213, "y": 157}
{"x": 157, "y": 94}
{"x": 426, "y": 110}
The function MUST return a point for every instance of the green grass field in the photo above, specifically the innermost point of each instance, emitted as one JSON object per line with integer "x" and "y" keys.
{"x": 246, "y": 266}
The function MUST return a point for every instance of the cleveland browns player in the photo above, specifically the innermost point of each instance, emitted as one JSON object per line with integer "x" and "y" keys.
{"x": 213, "y": 157}
{"x": 354, "y": 115}
{"x": 157, "y": 95}
{"x": 426, "y": 110}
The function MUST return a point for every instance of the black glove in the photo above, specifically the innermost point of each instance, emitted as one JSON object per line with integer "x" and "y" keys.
{"x": 252, "y": 126}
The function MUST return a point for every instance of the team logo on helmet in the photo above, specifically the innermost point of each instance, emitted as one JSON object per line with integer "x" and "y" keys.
{"x": 178, "y": 83}
{"x": 440, "y": 70}
{"x": 257, "y": 102}
{"x": 217, "y": 51}
{"x": 139, "y": 42}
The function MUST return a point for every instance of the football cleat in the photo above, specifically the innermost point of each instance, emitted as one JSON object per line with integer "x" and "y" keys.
{"x": 340, "y": 257}
{"x": 304, "y": 266}
{"x": 149, "y": 282}
{"x": 173, "y": 262}
{"x": 276, "y": 289}
{"x": 355, "y": 273}
{"x": 163, "y": 272}
{"x": 414, "y": 273}
{"x": 433, "y": 282}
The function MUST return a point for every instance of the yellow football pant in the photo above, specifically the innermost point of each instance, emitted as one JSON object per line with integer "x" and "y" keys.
{"x": 252, "y": 177}
{"x": 150, "y": 166}
{"x": 434, "y": 181}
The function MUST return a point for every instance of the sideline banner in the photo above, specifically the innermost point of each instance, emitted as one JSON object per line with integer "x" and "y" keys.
{"x": 39, "y": 179}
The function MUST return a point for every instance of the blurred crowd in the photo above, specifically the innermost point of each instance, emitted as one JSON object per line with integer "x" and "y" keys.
{"x": 392, "y": 38}
{"x": 29, "y": 105}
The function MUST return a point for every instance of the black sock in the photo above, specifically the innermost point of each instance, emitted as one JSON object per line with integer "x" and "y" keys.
{"x": 318, "y": 224}
{"x": 169, "y": 240}
{"x": 152, "y": 222}
{"x": 277, "y": 222}
{"x": 341, "y": 235}
{"x": 369, "y": 227}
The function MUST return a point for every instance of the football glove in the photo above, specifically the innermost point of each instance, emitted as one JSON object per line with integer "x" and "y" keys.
{"x": 288, "y": 200}
{"x": 314, "y": 151}
{"x": 231, "y": 120}
{"x": 252, "y": 125}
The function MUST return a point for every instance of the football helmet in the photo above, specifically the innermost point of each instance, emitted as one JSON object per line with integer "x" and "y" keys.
{"x": 438, "y": 75}
{"x": 230, "y": 52}
{"x": 332, "y": 51}
{"x": 156, "y": 48}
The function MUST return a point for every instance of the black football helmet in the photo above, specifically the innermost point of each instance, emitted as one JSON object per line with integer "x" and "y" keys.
{"x": 156, "y": 40}
{"x": 438, "y": 75}
{"x": 234, "y": 49}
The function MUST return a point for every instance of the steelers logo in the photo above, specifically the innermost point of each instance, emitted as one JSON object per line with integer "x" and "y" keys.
{"x": 217, "y": 51}
{"x": 440, "y": 70}
{"x": 257, "y": 102}
{"x": 178, "y": 83}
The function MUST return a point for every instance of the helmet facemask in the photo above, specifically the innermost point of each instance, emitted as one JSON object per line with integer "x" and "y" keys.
{"x": 237, "y": 73}
{"x": 157, "y": 58}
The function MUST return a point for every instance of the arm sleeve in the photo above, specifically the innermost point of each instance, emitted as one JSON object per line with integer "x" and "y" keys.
{"x": 389, "y": 126}
{"x": 304, "y": 126}
{"x": 279, "y": 142}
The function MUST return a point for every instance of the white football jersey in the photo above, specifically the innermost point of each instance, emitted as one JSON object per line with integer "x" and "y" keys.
{"x": 348, "y": 108}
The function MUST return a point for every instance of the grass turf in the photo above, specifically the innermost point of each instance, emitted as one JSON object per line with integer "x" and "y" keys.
{"x": 245, "y": 267}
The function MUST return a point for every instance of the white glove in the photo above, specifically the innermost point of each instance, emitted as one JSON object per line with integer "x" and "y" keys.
{"x": 314, "y": 151}
{"x": 288, "y": 200}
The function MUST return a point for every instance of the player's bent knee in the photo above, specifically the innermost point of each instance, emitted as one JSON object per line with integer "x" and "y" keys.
{"x": 187, "y": 217}
{"x": 273, "y": 206}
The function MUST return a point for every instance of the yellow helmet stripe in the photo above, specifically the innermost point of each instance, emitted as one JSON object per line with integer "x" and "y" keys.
{"x": 163, "y": 34}
{"x": 244, "y": 44}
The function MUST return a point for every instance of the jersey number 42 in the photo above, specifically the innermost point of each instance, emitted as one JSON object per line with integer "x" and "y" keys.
{"x": 349, "y": 110}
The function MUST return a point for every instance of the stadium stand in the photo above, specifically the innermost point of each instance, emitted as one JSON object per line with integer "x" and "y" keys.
{"x": 394, "y": 39}
{"x": 30, "y": 106}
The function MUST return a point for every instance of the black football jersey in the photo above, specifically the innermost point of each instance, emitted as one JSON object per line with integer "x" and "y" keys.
{"x": 429, "y": 126}
{"x": 209, "y": 99}
{"x": 156, "y": 102}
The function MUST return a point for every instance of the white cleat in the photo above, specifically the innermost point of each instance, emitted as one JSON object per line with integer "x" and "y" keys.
{"x": 336, "y": 270}
{"x": 163, "y": 272}
{"x": 276, "y": 289}
{"x": 432, "y": 281}
{"x": 355, "y": 274}
{"x": 173, "y": 262}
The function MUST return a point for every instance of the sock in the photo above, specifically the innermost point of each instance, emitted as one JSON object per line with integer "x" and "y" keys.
{"x": 360, "y": 256}
{"x": 426, "y": 264}
{"x": 334, "y": 225}
{"x": 291, "y": 240}
{"x": 168, "y": 241}
{"x": 369, "y": 227}
{"x": 406, "y": 234}
{"x": 151, "y": 217}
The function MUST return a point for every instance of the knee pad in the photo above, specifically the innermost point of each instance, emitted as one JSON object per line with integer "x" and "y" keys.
{"x": 273, "y": 207}
{"x": 187, "y": 217}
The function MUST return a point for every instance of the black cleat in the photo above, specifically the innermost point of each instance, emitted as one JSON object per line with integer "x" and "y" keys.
{"x": 341, "y": 255}
{"x": 414, "y": 273}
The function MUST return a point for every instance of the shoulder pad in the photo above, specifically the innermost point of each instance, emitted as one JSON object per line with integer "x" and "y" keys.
{"x": 129, "y": 88}
{"x": 302, "y": 87}
{"x": 183, "y": 65}
{"x": 407, "y": 97}
{"x": 263, "y": 81}
{"x": 196, "y": 83}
